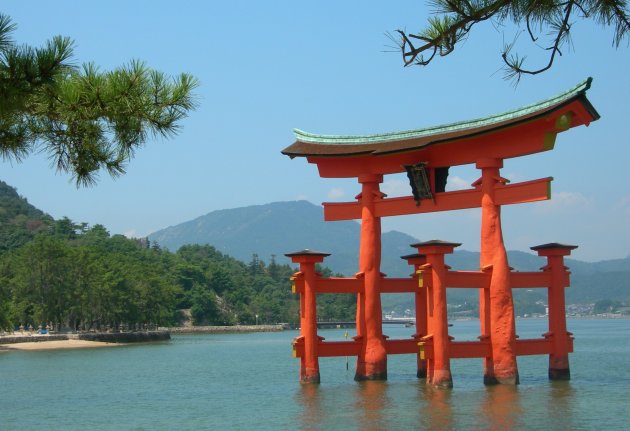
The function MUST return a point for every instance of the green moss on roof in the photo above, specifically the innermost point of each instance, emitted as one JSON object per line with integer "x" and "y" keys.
{"x": 576, "y": 91}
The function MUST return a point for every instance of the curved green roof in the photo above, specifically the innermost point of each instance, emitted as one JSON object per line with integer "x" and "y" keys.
{"x": 458, "y": 127}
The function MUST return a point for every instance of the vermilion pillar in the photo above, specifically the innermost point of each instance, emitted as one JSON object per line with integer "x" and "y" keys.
{"x": 418, "y": 260}
{"x": 496, "y": 306}
{"x": 372, "y": 360}
{"x": 439, "y": 367}
{"x": 309, "y": 362}
{"x": 559, "y": 358}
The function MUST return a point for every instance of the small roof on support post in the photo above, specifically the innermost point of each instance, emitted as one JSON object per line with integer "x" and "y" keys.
{"x": 436, "y": 243}
{"x": 554, "y": 249}
{"x": 307, "y": 252}
{"x": 552, "y": 245}
{"x": 307, "y": 256}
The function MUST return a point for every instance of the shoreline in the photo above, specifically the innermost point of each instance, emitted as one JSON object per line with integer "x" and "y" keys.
{"x": 37, "y": 342}
{"x": 54, "y": 345}
{"x": 30, "y": 341}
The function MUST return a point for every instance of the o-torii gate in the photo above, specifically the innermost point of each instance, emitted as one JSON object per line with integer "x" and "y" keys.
{"x": 426, "y": 155}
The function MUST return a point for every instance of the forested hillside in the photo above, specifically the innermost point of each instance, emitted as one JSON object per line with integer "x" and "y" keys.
{"x": 19, "y": 220}
{"x": 68, "y": 274}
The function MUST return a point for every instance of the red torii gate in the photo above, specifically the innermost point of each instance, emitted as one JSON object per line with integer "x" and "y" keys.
{"x": 426, "y": 155}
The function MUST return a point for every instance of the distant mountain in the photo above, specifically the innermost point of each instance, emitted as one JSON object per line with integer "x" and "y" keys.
{"x": 613, "y": 265}
{"x": 600, "y": 285}
{"x": 283, "y": 227}
{"x": 19, "y": 220}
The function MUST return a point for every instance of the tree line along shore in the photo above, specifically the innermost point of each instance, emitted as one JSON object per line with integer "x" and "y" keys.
{"x": 60, "y": 274}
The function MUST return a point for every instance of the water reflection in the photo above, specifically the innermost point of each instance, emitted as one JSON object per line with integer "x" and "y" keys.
{"x": 363, "y": 405}
{"x": 435, "y": 408}
{"x": 379, "y": 405}
{"x": 371, "y": 401}
{"x": 560, "y": 405}
{"x": 500, "y": 408}
{"x": 309, "y": 398}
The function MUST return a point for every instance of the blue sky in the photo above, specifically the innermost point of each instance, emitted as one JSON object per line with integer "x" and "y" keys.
{"x": 268, "y": 67}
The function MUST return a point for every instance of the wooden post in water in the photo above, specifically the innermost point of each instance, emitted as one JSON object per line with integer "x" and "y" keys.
{"x": 418, "y": 261}
{"x": 560, "y": 338}
{"x": 309, "y": 362}
{"x": 372, "y": 360}
{"x": 496, "y": 306}
{"x": 439, "y": 366}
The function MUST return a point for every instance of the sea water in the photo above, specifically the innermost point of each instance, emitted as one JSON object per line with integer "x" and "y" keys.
{"x": 250, "y": 382}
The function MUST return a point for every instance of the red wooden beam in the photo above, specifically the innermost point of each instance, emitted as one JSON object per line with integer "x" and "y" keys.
{"x": 470, "y": 349}
{"x": 399, "y": 285}
{"x": 529, "y": 191}
{"x": 533, "y": 347}
{"x": 457, "y": 349}
{"x": 401, "y": 347}
{"x": 339, "y": 285}
{"x": 530, "y": 279}
{"x": 467, "y": 279}
{"x": 454, "y": 279}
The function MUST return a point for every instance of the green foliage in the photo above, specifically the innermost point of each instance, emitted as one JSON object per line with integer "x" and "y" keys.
{"x": 529, "y": 303}
{"x": 241, "y": 291}
{"x": 6, "y": 304}
{"x": 204, "y": 307}
{"x": 602, "y": 285}
{"x": 76, "y": 276}
{"x": 85, "y": 280}
{"x": 606, "y": 306}
{"x": 337, "y": 307}
{"x": 85, "y": 119}
{"x": 19, "y": 221}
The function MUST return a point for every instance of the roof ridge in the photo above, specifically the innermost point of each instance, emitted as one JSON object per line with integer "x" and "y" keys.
{"x": 307, "y": 137}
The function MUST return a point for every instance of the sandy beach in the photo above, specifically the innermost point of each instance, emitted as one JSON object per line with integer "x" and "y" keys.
{"x": 55, "y": 345}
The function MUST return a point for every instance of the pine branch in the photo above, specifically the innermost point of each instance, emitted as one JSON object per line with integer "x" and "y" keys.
{"x": 444, "y": 34}
{"x": 515, "y": 65}
{"x": 454, "y": 19}
{"x": 85, "y": 119}
{"x": 6, "y": 28}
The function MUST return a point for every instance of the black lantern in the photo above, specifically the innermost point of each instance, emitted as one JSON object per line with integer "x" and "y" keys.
{"x": 419, "y": 181}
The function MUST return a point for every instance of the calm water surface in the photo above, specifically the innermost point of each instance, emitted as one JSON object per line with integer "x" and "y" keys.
{"x": 250, "y": 381}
